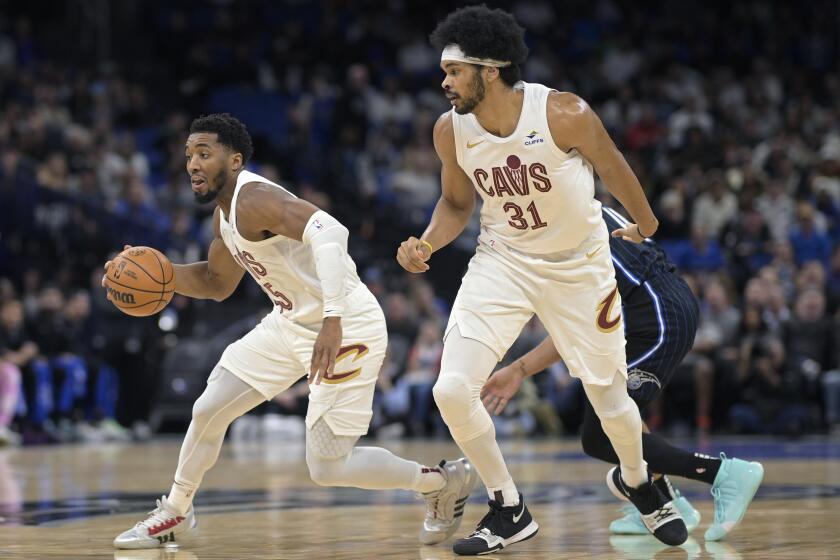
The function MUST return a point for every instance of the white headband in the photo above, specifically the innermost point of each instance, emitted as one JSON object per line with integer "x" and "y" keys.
{"x": 453, "y": 52}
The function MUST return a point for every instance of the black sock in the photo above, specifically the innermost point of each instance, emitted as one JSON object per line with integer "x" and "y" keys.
{"x": 664, "y": 458}
{"x": 661, "y": 456}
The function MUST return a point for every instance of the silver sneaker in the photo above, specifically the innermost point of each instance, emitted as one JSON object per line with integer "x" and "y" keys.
{"x": 445, "y": 507}
{"x": 159, "y": 528}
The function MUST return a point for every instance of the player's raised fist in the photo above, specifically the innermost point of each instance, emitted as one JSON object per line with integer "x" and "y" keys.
{"x": 413, "y": 254}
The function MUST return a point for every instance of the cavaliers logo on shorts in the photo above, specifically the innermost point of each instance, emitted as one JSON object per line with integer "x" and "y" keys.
{"x": 353, "y": 351}
{"x": 603, "y": 322}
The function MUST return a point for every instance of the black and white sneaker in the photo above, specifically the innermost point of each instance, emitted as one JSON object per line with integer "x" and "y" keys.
{"x": 659, "y": 514}
{"x": 501, "y": 527}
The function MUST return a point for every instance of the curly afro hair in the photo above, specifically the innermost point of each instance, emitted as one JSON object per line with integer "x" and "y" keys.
{"x": 230, "y": 131}
{"x": 485, "y": 33}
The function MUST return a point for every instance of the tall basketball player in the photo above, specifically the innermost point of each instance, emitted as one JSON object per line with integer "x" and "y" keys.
{"x": 660, "y": 318}
{"x": 530, "y": 152}
{"x": 325, "y": 323}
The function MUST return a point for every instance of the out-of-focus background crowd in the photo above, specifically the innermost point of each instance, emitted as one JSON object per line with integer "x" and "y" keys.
{"x": 728, "y": 114}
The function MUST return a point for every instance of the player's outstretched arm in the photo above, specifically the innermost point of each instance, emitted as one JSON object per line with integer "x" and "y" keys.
{"x": 574, "y": 125}
{"x": 504, "y": 383}
{"x": 453, "y": 209}
{"x": 216, "y": 278}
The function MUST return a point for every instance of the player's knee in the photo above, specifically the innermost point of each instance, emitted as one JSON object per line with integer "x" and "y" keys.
{"x": 453, "y": 396}
{"x": 206, "y": 416}
{"x": 618, "y": 413}
{"x": 325, "y": 469}
{"x": 324, "y": 472}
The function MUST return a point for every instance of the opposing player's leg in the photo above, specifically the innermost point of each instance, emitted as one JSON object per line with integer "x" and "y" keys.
{"x": 226, "y": 398}
{"x": 465, "y": 366}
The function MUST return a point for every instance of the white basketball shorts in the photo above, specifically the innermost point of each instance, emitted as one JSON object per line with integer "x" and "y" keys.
{"x": 574, "y": 293}
{"x": 278, "y": 352}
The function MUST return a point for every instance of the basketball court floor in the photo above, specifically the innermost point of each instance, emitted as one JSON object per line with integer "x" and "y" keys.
{"x": 258, "y": 503}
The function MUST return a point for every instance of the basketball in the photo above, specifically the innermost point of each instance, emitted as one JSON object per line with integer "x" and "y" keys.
{"x": 139, "y": 281}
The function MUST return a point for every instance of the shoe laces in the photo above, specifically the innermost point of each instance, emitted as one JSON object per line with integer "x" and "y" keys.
{"x": 432, "y": 499}
{"x": 723, "y": 494}
{"x": 490, "y": 522}
{"x": 157, "y": 516}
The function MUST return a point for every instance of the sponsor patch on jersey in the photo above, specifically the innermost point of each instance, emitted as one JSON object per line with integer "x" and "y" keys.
{"x": 636, "y": 378}
{"x": 533, "y": 137}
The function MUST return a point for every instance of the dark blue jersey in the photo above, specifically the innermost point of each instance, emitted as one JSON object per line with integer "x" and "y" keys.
{"x": 660, "y": 312}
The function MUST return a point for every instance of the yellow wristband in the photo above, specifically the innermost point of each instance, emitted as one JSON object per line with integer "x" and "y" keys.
{"x": 427, "y": 244}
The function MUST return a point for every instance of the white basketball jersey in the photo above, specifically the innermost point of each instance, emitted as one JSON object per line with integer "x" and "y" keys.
{"x": 283, "y": 267}
{"x": 538, "y": 199}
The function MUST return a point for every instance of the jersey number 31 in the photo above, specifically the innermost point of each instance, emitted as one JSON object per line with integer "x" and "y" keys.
{"x": 517, "y": 219}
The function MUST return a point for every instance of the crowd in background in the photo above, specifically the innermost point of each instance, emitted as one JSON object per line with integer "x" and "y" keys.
{"x": 730, "y": 120}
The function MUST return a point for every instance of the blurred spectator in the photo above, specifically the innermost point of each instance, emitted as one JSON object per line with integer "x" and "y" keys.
{"x": 777, "y": 208}
{"x": 420, "y": 375}
{"x": 716, "y": 207}
{"x": 808, "y": 239}
{"x": 703, "y": 254}
{"x": 714, "y": 351}
{"x": 746, "y": 242}
{"x": 120, "y": 163}
{"x": 809, "y": 334}
{"x": 18, "y": 349}
{"x": 772, "y": 394}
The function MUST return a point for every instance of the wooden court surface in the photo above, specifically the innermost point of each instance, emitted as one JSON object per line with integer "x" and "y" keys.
{"x": 258, "y": 503}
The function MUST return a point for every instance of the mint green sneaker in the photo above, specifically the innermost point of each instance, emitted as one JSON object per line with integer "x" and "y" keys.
{"x": 631, "y": 523}
{"x": 733, "y": 490}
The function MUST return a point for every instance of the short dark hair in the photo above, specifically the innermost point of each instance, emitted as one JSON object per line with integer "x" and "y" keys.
{"x": 485, "y": 33}
{"x": 230, "y": 131}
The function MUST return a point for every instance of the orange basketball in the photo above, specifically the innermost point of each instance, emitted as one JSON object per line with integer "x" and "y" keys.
{"x": 140, "y": 281}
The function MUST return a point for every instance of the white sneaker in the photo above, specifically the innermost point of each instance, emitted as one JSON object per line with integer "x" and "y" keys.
{"x": 159, "y": 528}
{"x": 445, "y": 507}
{"x": 8, "y": 437}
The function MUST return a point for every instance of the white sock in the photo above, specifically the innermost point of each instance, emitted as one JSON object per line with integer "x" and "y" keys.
{"x": 507, "y": 492}
{"x": 485, "y": 455}
{"x": 634, "y": 477}
{"x": 428, "y": 479}
{"x": 180, "y": 497}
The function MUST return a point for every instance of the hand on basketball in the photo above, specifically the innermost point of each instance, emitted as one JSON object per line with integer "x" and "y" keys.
{"x": 325, "y": 350}
{"x": 630, "y": 232}
{"x": 105, "y": 276}
{"x": 413, "y": 254}
{"x": 500, "y": 388}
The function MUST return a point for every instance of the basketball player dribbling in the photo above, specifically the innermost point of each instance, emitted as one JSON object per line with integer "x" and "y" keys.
{"x": 325, "y": 322}
{"x": 530, "y": 152}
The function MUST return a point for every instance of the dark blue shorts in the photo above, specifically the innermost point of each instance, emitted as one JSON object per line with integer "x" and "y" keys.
{"x": 661, "y": 317}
